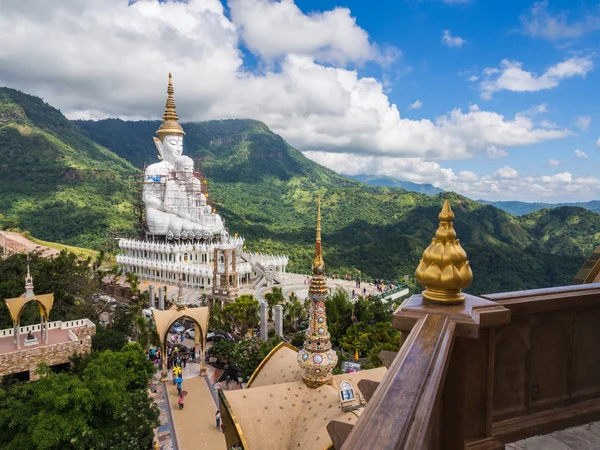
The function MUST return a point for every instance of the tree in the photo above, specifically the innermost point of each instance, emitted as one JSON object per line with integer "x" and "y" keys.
{"x": 108, "y": 339}
{"x": 242, "y": 314}
{"x": 102, "y": 404}
{"x": 295, "y": 312}
{"x": 275, "y": 297}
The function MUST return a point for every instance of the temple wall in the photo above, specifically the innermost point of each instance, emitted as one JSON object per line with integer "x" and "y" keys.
{"x": 28, "y": 359}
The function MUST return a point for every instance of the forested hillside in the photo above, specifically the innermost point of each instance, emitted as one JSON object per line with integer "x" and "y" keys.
{"x": 56, "y": 182}
{"x": 71, "y": 182}
{"x": 266, "y": 190}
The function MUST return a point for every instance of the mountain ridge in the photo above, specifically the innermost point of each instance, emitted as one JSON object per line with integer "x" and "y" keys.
{"x": 518, "y": 208}
{"x": 381, "y": 180}
{"x": 266, "y": 190}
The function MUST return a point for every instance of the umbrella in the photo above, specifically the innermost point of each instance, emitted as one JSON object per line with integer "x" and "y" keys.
{"x": 184, "y": 393}
{"x": 178, "y": 380}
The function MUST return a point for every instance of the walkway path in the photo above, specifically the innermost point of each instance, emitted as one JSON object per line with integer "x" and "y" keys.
{"x": 195, "y": 424}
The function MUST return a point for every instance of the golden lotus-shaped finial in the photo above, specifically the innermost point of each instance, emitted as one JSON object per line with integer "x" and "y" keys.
{"x": 444, "y": 269}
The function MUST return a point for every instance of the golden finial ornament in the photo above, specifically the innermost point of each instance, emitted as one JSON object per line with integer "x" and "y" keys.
{"x": 170, "y": 126}
{"x": 444, "y": 269}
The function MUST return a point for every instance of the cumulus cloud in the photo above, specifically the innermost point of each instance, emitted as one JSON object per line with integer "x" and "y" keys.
{"x": 416, "y": 105}
{"x": 494, "y": 152}
{"x": 580, "y": 154}
{"x": 273, "y": 29}
{"x": 118, "y": 68}
{"x": 539, "y": 21}
{"x": 598, "y": 142}
{"x": 583, "y": 122}
{"x": 511, "y": 76}
{"x": 502, "y": 184}
{"x": 553, "y": 162}
{"x": 123, "y": 53}
{"x": 473, "y": 78}
{"x": 452, "y": 41}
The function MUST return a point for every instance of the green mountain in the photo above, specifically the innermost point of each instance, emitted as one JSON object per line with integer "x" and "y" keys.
{"x": 56, "y": 182}
{"x": 266, "y": 190}
{"x": 373, "y": 180}
{"x": 517, "y": 208}
{"x": 74, "y": 182}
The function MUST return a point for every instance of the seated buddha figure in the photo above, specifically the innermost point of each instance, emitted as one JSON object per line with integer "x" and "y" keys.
{"x": 172, "y": 195}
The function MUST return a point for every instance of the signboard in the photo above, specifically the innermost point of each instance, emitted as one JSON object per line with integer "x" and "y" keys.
{"x": 347, "y": 366}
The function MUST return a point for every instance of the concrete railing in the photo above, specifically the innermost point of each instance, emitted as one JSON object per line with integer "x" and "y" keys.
{"x": 51, "y": 325}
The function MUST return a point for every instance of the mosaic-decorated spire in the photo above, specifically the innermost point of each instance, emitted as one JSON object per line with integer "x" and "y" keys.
{"x": 170, "y": 126}
{"x": 28, "y": 281}
{"x": 317, "y": 359}
{"x": 444, "y": 269}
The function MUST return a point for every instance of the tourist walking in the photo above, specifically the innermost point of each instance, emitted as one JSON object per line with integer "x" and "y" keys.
{"x": 180, "y": 401}
{"x": 184, "y": 360}
{"x": 218, "y": 419}
{"x": 179, "y": 387}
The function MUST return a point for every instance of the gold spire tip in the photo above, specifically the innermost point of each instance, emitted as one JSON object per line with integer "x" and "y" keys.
{"x": 170, "y": 126}
{"x": 444, "y": 269}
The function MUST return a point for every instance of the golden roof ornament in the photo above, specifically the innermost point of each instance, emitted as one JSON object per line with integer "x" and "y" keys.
{"x": 317, "y": 359}
{"x": 444, "y": 269}
{"x": 170, "y": 126}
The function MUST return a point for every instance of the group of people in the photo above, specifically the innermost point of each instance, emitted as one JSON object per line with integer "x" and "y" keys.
{"x": 178, "y": 381}
{"x": 383, "y": 288}
{"x": 356, "y": 294}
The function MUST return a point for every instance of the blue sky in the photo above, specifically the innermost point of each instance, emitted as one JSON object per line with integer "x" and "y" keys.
{"x": 437, "y": 75}
{"x": 494, "y": 100}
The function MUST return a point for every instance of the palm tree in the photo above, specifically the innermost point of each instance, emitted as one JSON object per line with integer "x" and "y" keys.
{"x": 295, "y": 311}
{"x": 252, "y": 315}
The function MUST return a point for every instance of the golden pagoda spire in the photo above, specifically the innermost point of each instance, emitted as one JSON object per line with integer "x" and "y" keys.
{"x": 170, "y": 125}
{"x": 317, "y": 359}
{"x": 444, "y": 269}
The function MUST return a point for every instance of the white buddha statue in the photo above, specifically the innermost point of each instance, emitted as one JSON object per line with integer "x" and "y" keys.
{"x": 172, "y": 195}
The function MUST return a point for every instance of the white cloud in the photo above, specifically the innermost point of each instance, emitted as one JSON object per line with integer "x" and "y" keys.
{"x": 506, "y": 172}
{"x": 553, "y": 162}
{"x": 274, "y": 29}
{"x": 598, "y": 142}
{"x": 416, "y": 105}
{"x": 503, "y": 184}
{"x": 583, "y": 122}
{"x": 580, "y": 154}
{"x": 473, "y": 78}
{"x": 512, "y": 77}
{"x": 312, "y": 105}
{"x": 538, "y": 21}
{"x": 494, "y": 152}
{"x": 452, "y": 41}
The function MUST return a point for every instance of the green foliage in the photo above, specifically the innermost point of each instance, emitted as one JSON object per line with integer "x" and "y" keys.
{"x": 275, "y": 297}
{"x": 242, "y": 315}
{"x": 245, "y": 354}
{"x": 69, "y": 278}
{"x": 364, "y": 326}
{"x": 103, "y": 404}
{"x": 108, "y": 339}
